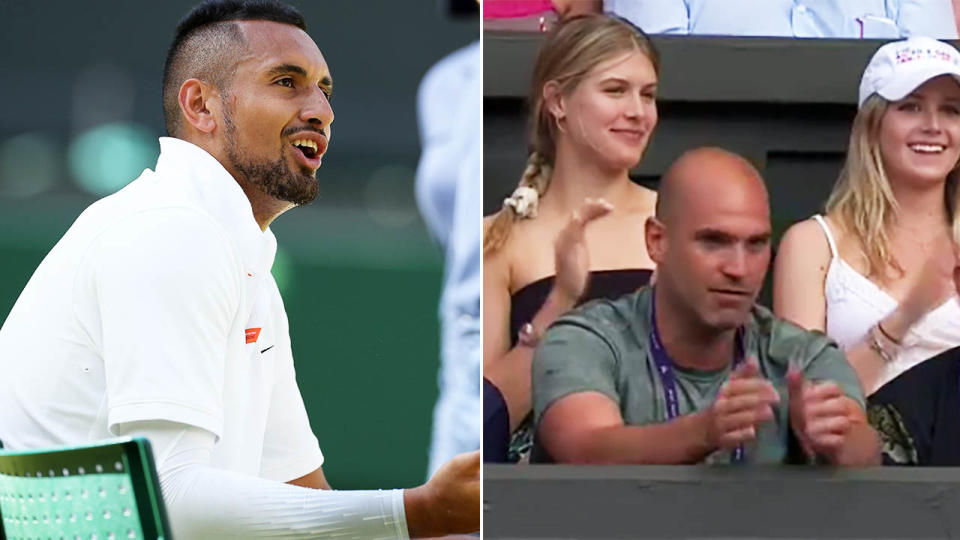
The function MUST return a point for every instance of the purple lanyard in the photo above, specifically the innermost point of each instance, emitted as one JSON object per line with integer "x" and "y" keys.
{"x": 669, "y": 381}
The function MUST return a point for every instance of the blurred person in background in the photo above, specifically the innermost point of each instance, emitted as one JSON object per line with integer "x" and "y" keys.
{"x": 691, "y": 370}
{"x": 956, "y": 13}
{"x": 878, "y": 271}
{"x": 592, "y": 112}
{"x": 157, "y": 316}
{"x": 533, "y": 15}
{"x": 791, "y": 18}
{"x": 449, "y": 187}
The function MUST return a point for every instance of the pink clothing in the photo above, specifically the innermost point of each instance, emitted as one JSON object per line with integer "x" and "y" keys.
{"x": 509, "y": 9}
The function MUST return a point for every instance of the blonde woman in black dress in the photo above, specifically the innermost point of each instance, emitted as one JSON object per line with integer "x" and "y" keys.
{"x": 593, "y": 110}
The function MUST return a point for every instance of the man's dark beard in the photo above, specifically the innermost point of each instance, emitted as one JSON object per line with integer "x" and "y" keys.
{"x": 275, "y": 179}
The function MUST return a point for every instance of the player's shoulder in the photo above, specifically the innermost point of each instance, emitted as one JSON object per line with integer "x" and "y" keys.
{"x": 148, "y": 202}
{"x": 145, "y": 216}
{"x": 173, "y": 223}
{"x": 168, "y": 236}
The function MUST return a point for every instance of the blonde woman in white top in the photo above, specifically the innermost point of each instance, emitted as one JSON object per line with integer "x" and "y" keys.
{"x": 876, "y": 273}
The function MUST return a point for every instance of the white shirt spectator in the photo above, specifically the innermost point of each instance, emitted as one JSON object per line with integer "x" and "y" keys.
{"x": 449, "y": 191}
{"x": 791, "y": 18}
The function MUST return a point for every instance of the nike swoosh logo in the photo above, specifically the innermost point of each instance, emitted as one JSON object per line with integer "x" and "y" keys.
{"x": 267, "y": 349}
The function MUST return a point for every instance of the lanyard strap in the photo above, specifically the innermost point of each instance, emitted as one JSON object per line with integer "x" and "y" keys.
{"x": 668, "y": 379}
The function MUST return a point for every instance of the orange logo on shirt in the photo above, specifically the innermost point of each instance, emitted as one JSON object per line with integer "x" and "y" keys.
{"x": 252, "y": 335}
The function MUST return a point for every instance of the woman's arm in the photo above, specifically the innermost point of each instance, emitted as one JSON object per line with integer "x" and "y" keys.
{"x": 799, "y": 273}
{"x": 509, "y": 369}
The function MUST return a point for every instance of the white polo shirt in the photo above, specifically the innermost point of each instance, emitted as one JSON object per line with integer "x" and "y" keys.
{"x": 158, "y": 304}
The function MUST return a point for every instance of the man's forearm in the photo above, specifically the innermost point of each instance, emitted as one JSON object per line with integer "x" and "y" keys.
{"x": 684, "y": 440}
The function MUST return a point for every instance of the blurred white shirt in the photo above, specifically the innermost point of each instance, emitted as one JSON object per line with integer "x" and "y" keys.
{"x": 791, "y": 18}
{"x": 449, "y": 192}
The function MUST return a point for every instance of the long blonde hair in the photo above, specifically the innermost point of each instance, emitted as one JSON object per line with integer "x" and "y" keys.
{"x": 863, "y": 201}
{"x": 566, "y": 56}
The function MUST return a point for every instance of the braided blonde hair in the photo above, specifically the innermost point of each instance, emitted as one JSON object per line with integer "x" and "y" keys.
{"x": 566, "y": 56}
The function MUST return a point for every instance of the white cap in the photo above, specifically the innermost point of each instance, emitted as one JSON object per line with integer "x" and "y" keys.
{"x": 898, "y": 68}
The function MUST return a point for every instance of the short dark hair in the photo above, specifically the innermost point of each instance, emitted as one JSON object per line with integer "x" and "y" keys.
{"x": 207, "y": 44}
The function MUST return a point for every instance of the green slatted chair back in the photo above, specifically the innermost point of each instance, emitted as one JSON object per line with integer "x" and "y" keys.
{"x": 104, "y": 491}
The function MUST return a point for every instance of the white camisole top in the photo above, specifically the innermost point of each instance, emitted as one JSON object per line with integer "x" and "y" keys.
{"x": 855, "y": 304}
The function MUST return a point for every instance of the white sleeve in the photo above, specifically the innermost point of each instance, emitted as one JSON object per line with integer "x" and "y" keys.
{"x": 167, "y": 283}
{"x": 653, "y": 16}
{"x": 204, "y": 502}
{"x": 290, "y": 449}
{"x": 932, "y": 18}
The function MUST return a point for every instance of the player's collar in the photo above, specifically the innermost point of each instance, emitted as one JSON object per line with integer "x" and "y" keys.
{"x": 207, "y": 182}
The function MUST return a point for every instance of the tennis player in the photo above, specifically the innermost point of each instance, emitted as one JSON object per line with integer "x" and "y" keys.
{"x": 156, "y": 314}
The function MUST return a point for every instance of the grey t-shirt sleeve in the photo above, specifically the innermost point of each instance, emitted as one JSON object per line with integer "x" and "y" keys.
{"x": 818, "y": 356}
{"x": 572, "y": 358}
{"x": 826, "y": 362}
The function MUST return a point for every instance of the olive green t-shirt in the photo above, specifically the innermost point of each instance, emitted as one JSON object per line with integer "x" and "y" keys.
{"x": 604, "y": 347}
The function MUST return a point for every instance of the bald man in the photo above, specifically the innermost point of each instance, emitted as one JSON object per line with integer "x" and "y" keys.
{"x": 692, "y": 370}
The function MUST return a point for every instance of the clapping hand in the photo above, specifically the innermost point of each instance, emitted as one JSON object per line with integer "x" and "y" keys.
{"x": 570, "y": 251}
{"x": 744, "y": 402}
{"x": 937, "y": 280}
{"x": 819, "y": 414}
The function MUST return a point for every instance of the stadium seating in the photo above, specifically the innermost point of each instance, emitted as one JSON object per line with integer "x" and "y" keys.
{"x": 104, "y": 491}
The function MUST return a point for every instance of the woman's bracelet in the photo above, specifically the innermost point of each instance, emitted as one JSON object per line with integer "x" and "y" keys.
{"x": 877, "y": 346}
{"x": 528, "y": 335}
{"x": 887, "y": 334}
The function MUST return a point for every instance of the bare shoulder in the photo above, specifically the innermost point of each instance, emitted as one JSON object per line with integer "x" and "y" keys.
{"x": 646, "y": 199}
{"x": 487, "y": 223}
{"x": 799, "y": 274}
{"x": 525, "y": 256}
{"x": 495, "y": 262}
{"x": 640, "y": 203}
{"x": 650, "y": 195}
{"x": 806, "y": 241}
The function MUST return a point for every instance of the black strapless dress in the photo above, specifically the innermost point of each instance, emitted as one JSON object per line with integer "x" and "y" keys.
{"x": 525, "y": 303}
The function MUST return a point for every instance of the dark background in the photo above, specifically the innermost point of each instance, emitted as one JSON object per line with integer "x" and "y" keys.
{"x": 80, "y": 87}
